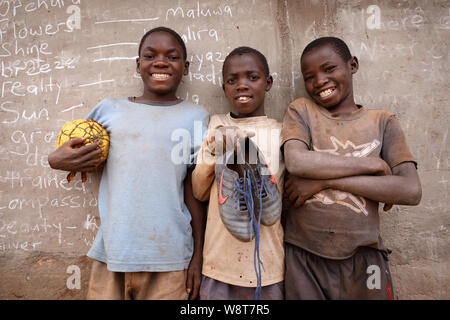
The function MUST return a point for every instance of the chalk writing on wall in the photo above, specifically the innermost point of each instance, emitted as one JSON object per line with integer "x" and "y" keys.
{"x": 41, "y": 73}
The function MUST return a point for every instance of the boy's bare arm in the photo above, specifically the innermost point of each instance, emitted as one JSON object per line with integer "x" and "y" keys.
{"x": 203, "y": 178}
{"x": 304, "y": 163}
{"x": 402, "y": 187}
{"x": 198, "y": 222}
{"x": 69, "y": 158}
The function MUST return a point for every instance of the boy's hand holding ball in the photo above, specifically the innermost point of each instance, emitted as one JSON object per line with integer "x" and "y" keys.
{"x": 82, "y": 145}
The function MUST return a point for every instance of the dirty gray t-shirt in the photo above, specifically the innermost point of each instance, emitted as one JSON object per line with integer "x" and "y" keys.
{"x": 145, "y": 224}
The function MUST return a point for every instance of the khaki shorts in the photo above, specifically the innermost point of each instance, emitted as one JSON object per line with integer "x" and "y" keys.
{"x": 109, "y": 285}
{"x": 363, "y": 276}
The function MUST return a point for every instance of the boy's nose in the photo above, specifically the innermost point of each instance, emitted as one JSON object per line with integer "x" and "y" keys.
{"x": 160, "y": 62}
{"x": 320, "y": 81}
{"x": 241, "y": 86}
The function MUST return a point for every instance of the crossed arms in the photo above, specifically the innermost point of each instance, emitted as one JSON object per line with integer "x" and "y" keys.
{"x": 369, "y": 177}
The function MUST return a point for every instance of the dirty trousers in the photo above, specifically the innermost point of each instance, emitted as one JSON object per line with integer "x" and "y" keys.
{"x": 110, "y": 285}
{"x": 363, "y": 276}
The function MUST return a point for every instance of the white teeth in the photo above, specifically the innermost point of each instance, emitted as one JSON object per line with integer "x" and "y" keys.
{"x": 160, "y": 75}
{"x": 326, "y": 93}
{"x": 244, "y": 98}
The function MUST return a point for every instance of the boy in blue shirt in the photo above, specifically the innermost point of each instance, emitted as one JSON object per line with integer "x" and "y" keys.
{"x": 149, "y": 245}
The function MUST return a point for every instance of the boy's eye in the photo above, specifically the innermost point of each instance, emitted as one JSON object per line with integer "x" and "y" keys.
{"x": 231, "y": 81}
{"x": 253, "y": 77}
{"x": 329, "y": 69}
{"x": 174, "y": 58}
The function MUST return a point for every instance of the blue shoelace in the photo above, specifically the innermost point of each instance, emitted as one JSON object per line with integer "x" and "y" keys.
{"x": 261, "y": 182}
{"x": 245, "y": 196}
{"x": 240, "y": 194}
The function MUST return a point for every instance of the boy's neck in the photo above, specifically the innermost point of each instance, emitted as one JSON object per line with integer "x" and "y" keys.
{"x": 342, "y": 109}
{"x": 243, "y": 116}
{"x": 147, "y": 97}
{"x": 346, "y": 106}
{"x": 258, "y": 112}
{"x": 158, "y": 102}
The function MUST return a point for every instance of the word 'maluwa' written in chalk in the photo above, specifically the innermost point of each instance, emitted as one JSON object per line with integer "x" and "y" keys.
{"x": 198, "y": 12}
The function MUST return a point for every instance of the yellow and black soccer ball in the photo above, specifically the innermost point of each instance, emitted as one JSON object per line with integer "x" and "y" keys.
{"x": 91, "y": 130}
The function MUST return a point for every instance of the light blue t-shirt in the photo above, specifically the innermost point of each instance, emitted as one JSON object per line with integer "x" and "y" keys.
{"x": 145, "y": 224}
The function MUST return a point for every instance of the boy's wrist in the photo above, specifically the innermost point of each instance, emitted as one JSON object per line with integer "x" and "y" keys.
{"x": 198, "y": 245}
{"x": 372, "y": 166}
{"x": 381, "y": 167}
{"x": 52, "y": 161}
{"x": 328, "y": 184}
{"x": 197, "y": 253}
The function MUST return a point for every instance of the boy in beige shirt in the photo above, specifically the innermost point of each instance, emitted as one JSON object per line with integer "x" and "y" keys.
{"x": 228, "y": 263}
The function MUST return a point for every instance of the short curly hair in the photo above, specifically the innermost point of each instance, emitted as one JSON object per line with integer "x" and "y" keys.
{"x": 168, "y": 30}
{"x": 339, "y": 46}
{"x": 244, "y": 50}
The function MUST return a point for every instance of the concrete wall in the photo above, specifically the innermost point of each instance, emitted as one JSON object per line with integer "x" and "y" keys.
{"x": 60, "y": 58}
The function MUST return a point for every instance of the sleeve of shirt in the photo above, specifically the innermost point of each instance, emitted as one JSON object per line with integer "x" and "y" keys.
{"x": 204, "y": 173}
{"x": 98, "y": 113}
{"x": 294, "y": 125}
{"x": 200, "y": 130}
{"x": 395, "y": 150}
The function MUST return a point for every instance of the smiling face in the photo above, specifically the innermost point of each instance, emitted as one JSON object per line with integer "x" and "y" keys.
{"x": 328, "y": 78}
{"x": 161, "y": 66}
{"x": 245, "y": 84}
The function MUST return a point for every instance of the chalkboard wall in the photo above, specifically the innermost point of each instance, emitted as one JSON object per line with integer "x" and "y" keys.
{"x": 59, "y": 58}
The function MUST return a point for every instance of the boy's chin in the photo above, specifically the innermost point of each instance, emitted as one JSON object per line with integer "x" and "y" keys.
{"x": 160, "y": 91}
{"x": 318, "y": 102}
{"x": 246, "y": 111}
{"x": 323, "y": 104}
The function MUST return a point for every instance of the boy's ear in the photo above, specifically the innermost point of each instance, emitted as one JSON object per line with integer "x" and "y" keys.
{"x": 138, "y": 65}
{"x": 186, "y": 68}
{"x": 269, "y": 82}
{"x": 354, "y": 64}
